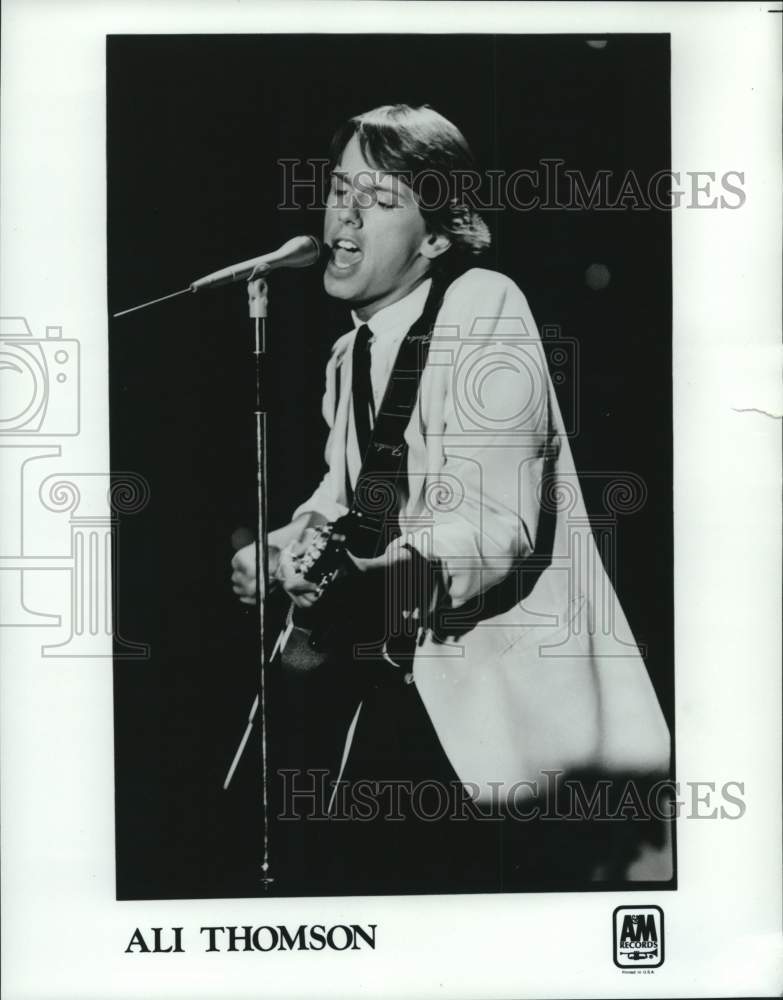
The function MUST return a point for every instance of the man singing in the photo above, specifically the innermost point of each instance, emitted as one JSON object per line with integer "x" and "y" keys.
{"x": 522, "y": 662}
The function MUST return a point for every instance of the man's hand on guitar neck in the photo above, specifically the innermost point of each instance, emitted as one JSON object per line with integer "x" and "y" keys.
{"x": 302, "y": 591}
{"x": 243, "y": 564}
{"x": 244, "y": 576}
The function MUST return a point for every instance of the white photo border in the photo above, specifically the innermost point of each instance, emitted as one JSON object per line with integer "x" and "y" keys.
{"x": 64, "y": 934}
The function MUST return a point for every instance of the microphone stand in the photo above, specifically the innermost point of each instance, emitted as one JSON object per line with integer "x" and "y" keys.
{"x": 258, "y": 302}
{"x": 300, "y": 251}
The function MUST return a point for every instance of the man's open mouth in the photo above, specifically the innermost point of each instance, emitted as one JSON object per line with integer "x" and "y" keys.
{"x": 345, "y": 253}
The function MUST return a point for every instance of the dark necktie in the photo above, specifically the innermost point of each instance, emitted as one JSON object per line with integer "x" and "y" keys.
{"x": 363, "y": 402}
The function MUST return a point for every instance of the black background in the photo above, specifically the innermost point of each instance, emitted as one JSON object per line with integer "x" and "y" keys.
{"x": 196, "y": 125}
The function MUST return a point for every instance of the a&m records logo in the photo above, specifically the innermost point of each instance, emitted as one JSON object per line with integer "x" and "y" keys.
{"x": 638, "y": 937}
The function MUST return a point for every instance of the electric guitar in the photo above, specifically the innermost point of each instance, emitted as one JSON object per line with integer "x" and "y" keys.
{"x": 357, "y": 616}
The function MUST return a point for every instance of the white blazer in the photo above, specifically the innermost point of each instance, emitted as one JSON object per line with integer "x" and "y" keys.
{"x": 544, "y": 674}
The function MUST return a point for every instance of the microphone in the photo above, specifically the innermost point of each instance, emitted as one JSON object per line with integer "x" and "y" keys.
{"x": 301, "y": 251}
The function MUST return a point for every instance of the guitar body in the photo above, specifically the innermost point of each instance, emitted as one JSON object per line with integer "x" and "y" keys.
{"x": 351, "y": 623}
{"x": 298, "y": 655}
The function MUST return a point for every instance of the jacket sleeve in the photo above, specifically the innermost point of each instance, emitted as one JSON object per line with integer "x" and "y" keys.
{"x": 495, "y": 438}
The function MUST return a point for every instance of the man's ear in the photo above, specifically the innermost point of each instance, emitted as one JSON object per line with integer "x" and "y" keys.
{"x": 434, "y": 245}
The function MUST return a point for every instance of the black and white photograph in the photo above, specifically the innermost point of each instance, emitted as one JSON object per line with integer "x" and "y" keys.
{"x": 390, "y": 422}
{"x": 461, "y": 348}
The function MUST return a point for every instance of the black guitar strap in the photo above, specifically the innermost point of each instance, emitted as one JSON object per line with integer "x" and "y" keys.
{"x": 371, "y": 522}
